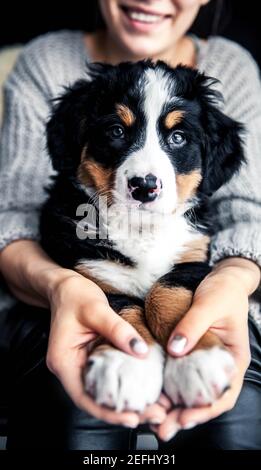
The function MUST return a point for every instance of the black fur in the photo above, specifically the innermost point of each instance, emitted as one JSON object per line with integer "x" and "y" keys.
{"x": 119, "y": 302}
{"x": 58, "y": 228}
{"x": 81, "y": 118}
{"x": 188, "y": 275}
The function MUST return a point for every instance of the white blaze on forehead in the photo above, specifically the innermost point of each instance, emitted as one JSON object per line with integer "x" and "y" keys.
{"x": 157, "y": 91}
{"x": 157, "y": 94}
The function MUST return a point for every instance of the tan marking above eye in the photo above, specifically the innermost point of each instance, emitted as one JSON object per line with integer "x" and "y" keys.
{"x": 173, "y": 118}
{"x": 187, "y": 184}
{"x": 125, "y": 114}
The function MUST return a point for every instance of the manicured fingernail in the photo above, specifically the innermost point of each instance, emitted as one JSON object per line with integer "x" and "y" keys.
{"x": 138, "y": 346}
{"x": 155, "y": 421}
{"x": 130, "y": 424}
{"x": 178, "y": 343}
{"x": 171, "y": 433}
{"x": 190, "y": 425}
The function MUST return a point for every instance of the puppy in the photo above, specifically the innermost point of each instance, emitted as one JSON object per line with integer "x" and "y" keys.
{"x": 151, "y": 144}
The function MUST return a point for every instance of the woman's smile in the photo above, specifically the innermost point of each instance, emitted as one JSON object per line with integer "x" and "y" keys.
{"x": 148, "y": 28}
{"x": 143, "y": 20}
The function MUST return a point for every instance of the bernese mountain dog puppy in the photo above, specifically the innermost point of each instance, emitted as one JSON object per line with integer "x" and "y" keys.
{"x": 139, "y": 148}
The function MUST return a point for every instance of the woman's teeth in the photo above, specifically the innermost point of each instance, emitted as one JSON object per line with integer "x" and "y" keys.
{"x": 144, "y": 17}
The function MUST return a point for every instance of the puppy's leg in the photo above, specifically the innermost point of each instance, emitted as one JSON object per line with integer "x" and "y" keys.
{"x": 121, "y": 381}
{"x": 201, "y": 376}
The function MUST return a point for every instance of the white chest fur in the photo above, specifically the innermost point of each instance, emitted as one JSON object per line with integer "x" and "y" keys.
{"x": 154, "y": 250}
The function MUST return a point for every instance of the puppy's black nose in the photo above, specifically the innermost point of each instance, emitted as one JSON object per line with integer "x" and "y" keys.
{"x": 144, "y": 189}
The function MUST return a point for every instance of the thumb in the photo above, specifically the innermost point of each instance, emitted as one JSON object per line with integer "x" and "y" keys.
{"x": 189, "y": 330}
{"x": 118, "y": 331}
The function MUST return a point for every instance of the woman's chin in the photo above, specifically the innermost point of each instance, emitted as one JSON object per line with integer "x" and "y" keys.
{"x": 142, "y": 47}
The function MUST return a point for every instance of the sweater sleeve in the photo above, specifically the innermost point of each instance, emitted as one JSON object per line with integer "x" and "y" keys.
{"x": 237, "y": 205}
{"x": 25, "y": 167}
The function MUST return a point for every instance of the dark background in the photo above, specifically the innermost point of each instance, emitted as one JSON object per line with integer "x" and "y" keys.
{"x": 239, "y": 20}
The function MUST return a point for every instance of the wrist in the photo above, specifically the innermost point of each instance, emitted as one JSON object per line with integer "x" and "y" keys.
{"x": 70, "y": 291}
{"x": 245, "y": 272}
{"x": 40, "y": 273}
{"x": 50, "y": 279}
{"x": 46, "y": 276}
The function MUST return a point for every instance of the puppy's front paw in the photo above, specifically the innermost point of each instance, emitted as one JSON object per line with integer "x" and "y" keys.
{"x": 118, "y": 380}
{"x": 198, "y": 378}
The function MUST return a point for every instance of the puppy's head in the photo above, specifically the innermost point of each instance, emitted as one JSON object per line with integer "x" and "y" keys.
{"x": 145, "y": 135}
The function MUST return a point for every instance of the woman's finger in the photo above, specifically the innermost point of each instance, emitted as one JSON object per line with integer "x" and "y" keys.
{"x": 190, "y": 417}
{"x": 208, "y": 308}
{"x": 70, "y": 375}
{"x": 125, "y": 418}
{"x": 165, "y": 401}
{"x": 169, "y": 427}
{"x": 154, "y": 414}
{"x": 190, "y": 329}
{"x": 119, "y": 332}
{"x": 194, "y": 416}
{"x": 157, "y": 413}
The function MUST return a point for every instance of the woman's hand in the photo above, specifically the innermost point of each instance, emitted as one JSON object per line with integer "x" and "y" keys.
{"x": 220, "y": 304}
{"x": 80, "y": 311}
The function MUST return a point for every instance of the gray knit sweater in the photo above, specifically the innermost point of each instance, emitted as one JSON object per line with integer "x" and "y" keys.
{"x": 51, "y": 61}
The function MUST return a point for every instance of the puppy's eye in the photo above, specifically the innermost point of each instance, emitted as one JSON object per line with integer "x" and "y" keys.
{"x": 178, "y": 138}
{"x": 115, "y": 132}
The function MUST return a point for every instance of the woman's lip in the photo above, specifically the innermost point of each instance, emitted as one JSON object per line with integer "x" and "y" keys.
{"x": 143, "y": 10}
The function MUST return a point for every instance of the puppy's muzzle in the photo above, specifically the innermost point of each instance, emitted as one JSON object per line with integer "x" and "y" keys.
{"x": 144, "y": 189}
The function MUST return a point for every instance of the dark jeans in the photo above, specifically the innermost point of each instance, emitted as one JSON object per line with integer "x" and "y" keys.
{"x": 42, "y": 416}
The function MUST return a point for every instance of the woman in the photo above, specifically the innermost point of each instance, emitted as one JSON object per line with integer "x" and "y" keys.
{"x": 79, "y": 310}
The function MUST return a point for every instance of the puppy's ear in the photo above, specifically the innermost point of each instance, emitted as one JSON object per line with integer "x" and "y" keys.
{"x": 66, "y": 129}
{"x": 223, "y": 146}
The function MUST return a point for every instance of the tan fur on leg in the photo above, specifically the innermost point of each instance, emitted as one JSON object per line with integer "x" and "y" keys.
{"x": 133, "y": 315}
{"x": 164, "y": 307}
